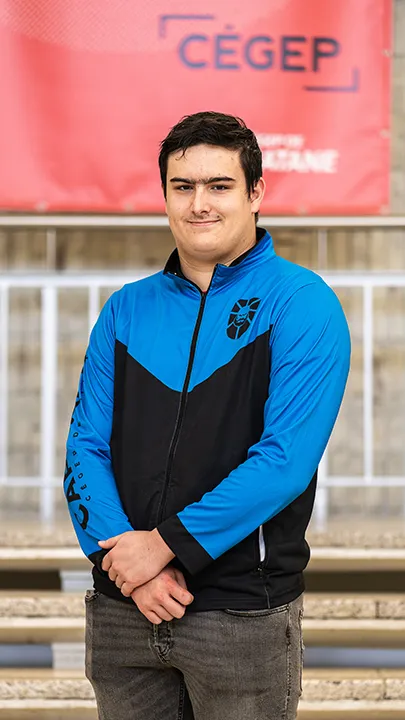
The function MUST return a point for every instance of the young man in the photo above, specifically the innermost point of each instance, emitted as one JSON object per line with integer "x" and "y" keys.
{"x": 207, "y": 397}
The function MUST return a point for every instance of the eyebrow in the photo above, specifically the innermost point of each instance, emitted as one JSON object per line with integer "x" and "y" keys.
{"x": 203, "y": 181}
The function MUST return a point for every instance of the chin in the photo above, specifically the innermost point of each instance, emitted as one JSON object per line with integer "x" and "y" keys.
{"x": 207, "y": 245}
{"x": 201, "y": 235}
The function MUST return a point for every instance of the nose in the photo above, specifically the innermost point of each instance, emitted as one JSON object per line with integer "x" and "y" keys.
{"x": 200, "y": 201}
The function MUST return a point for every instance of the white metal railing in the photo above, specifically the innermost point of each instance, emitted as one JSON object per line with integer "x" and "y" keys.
{"x": 50, "y": 284}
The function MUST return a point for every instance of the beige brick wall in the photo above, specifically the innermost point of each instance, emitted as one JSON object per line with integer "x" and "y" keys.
{"x": 116, "y": 250}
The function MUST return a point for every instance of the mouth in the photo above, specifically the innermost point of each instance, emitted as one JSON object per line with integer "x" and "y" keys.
{"x": 203, "y": 223}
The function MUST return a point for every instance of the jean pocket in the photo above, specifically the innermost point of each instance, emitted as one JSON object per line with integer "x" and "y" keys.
{"x": 256, "y": 613}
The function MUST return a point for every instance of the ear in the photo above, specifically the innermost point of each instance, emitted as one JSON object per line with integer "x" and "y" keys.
{"x": 257, "y": 195}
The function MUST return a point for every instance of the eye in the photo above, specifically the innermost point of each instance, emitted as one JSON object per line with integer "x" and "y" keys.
{"x": 183, "y": 188}
{"x": 220, "y": 187}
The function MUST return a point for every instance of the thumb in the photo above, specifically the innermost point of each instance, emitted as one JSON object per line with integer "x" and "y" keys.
{"x": 188, "y": 597}
{"x": 110, "y": 543}
{"x": 180, "y": 578}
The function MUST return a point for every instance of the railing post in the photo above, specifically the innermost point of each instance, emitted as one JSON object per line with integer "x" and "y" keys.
{"x": 368, "y": 379}
{"x": 94, "y": 305}
{"x": 48, "y": 401}
{"x": 321, "y": 508}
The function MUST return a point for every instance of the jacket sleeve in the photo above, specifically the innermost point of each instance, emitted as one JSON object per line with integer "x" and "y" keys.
{"x": 310, "y": 357}
{"x": 89, "y": 485}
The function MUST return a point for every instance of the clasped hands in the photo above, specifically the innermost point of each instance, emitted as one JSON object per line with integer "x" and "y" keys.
{"x": 137, "y": 562}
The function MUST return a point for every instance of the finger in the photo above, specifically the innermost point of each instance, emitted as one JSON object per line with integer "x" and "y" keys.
{"x": 112, "y": 574}
{"x": 107, "y": 562}
{"x": 180, "y": 578}
{"x": 161, "y": 612}
{"x": 110, "y": 542}
{"x": 152, "y": 617}
{"x": 119, "y": 581}
{"x": 173, "y": 608}
{"x": 127, "y": 589}
{"x": 184, "y": 597}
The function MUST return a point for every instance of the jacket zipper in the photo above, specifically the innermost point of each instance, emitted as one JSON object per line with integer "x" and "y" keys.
{"x": 182, "y": 405}
{"x": 262, "y": 545}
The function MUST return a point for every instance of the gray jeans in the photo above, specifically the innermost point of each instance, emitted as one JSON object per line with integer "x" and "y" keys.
{"x": 215, "y": 665}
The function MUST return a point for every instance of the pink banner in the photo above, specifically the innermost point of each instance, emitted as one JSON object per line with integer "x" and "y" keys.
{"x": 89, "y": 89}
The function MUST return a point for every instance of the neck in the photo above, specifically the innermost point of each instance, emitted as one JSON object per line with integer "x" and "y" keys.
{"x": 200, "y": 273}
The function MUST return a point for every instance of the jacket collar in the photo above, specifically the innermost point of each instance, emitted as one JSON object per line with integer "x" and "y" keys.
{"x": 261, "y": 252}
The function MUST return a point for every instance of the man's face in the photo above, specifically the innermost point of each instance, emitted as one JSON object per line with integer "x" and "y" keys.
{"x": 210, "y": 213}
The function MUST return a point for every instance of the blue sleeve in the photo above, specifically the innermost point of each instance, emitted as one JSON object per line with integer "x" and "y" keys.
{"x": 310, "y": 357}
{"x": 89, "y": 485}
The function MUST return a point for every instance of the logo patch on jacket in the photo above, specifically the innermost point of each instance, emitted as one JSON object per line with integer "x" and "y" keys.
{"x": 241, "y": 316}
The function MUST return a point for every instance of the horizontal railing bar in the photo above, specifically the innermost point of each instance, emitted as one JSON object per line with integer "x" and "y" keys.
{"x": 62, "y": 280}
{"x": 16, "y": 481}
{"x": 332, "y": 481}
{"x": 363, "y": 481}
{"x": 132, "y": 221}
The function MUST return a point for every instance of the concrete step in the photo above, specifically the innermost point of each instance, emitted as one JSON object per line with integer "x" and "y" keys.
{"x": 329, "y": 694}
{"x": 339, "y": 633}
{"x": 45, "y": 694}
{"x": 41, "y": 630}
{"x": 43, "y": 558}
{"x": 323, "y": 559}
{"x": 329, "y": 619}
{"x": 322, "y": 606}
{"x": 357, "y": 559}
{"x": 358, "y": 694}
{"x": 348, "y": 532}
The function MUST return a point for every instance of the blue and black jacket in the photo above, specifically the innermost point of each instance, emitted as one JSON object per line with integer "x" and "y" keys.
{"x": 206, "y": 415}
